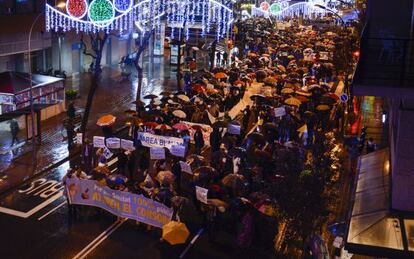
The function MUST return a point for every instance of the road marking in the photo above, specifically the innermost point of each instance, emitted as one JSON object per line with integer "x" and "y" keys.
{"x": 51, "y": 211}
{"x": 32, "y": 211}
{"x": 99, "y": 239}
{"x": 200, "y": 231}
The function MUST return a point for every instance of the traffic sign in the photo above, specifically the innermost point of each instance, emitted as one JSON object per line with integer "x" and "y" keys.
{"x": 344, "y": 98}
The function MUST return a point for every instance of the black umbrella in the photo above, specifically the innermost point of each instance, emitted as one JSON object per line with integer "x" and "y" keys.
{"x": 150, "y": 96}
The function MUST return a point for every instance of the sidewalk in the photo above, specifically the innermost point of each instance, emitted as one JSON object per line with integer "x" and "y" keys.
{"x": 112, "y": 96}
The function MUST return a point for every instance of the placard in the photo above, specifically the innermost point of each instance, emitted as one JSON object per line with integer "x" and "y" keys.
{"x": 279, "y": 112}
{"x": 152, "y": 140}
{"x": 185, "y": 167}
{"x": 157, "y": 153}
{"x": 177, "y": 150}
{"x": 233, "y": 129}
{"x": 79, "y": 138}
{"x": 127, "y": 145}
{"x": 107, "y": 153}
{"x": 201, "y": 194}
{"x": 98, "y": 141}
{"x": 113, "y": 143}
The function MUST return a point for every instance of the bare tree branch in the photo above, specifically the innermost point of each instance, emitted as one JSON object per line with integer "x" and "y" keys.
{"x": 85, "y": 48}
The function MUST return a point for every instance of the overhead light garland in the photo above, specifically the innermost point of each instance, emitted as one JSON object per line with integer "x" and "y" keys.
{"x": 123, "y": 15}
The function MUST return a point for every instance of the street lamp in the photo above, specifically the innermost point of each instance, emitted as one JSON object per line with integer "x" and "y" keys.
{"x": 60, "y": 5}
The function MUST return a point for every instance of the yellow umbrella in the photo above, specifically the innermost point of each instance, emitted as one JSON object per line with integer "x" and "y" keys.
{"x": 175, "y": 232}
{"x": 293, "y": 101}
{"x": 287, "y": 91}
{"x": 220, "y": 75}
{"x": 323, "y": 107}
{"x": 106, "y": 120}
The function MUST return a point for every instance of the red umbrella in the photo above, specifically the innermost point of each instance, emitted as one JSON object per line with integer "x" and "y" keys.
{"x": 150, "y": 124}
{"x": 163, "y": 127}
{"x": 333, "y": 96}
{"x": 198, "y": 88}
{"x": 180, "y": 126}
{"x": 197, "y": 127}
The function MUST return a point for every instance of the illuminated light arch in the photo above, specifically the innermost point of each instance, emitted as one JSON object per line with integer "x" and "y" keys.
{"x": 74, "y": 8}
{"x": 123, "y": 15}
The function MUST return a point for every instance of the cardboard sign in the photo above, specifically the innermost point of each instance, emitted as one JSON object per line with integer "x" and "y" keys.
{"x": 107, "y": 153}
{"x": 79, "y": 138}
{"x": 98, "y": 141}
{"x": 233, "y": 129}
{"x": 157, "y": 153}
{"x": 113, "y": 143}
{"x": 177, "y": 150}
{"x": 152, "y": 140}
{"x": 279, "y": 112}
{"x": 201, "y": 194}
{"x": 185, "y": 167}
{"x": 127, "y": 145}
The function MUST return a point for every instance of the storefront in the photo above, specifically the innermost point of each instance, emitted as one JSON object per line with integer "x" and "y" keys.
{"x": 49, "y": 92}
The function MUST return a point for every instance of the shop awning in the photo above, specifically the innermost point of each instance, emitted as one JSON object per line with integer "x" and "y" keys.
{"x": 373, "y": 229}
{"x": 16, "y": 82}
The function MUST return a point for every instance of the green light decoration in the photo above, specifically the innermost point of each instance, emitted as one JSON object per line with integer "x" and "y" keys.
{"x": 275, "y": 7}
{"x": 101, "y": 11}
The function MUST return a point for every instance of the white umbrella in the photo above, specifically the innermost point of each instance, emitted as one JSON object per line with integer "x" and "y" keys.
{"x": 183, "y": 98}
{"x": 195, "y": 48}
{"x": 179, "y": 114}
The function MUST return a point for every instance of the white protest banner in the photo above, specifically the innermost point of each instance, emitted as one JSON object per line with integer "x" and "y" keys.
{"x": 79, "y": 138}
{"x": 177, "y": 150}
{"x": 201, "y": 194}
{"x": 185, "y": 167}
{"x": 127, "y": 145}
{"x": 113, "y": 142}
{"x": 206, "y": 130}
{"x": 152, "y": 140}
{"x": 157, "y": 153}
{"x": 107, "y": 153}
{"x": 98, "y": 141}
{"x": 233, "y": 129}
{"x": 279, "y": 112}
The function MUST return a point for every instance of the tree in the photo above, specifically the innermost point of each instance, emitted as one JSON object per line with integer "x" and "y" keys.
{"x": 141, "y": 44}
{"x": 97, "y": 42}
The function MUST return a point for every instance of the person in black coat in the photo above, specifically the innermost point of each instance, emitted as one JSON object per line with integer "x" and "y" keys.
{"x": 215, "y": 139}
{"x": 199, "y": 141}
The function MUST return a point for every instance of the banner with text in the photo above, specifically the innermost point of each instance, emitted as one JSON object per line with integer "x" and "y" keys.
{"x": 152, "y": 140}
{"x": 119, "y": 203}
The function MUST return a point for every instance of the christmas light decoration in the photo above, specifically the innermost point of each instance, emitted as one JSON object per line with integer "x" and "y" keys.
{"x": 123, "y": 15}
{"x": 76, "y": 8}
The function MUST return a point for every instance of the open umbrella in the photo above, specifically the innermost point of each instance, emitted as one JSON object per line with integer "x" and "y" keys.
{"x": 302, "y": 98}
{"x": 165, "y": 177}
{"x": 220, "y": 75}
{"x": 256, "y": 97}
{"x": 323, "y": 107}
{"x": 175, "y": 232}
{"x": 198, "y": 88}
{"x": 150, "y": 96}
{"x": 196, "y": 127}
{"x": 130, "y": 112}
{"x": 183, "y": 98}
{"x": 235, "y": 181}
{"x": 163, "y": 127}
{"x": 287, "y": 91}
{"x": 165, "y": 93}
{"x": 220, "y": 124}
{"x": 303, "y": 93}
{"x": 150, "y": 124}
{"x": 106, "y": 120}
{"x": 180, "y": 126}
{"x": 293, "y": 101}
{"x": 179, "y": 114}
{"x": 256, "y": 136}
